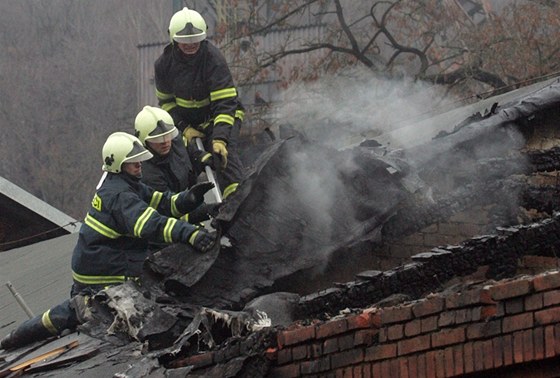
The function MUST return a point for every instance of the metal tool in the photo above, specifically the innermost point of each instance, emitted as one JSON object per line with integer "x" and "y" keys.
{"x": 210, "y": 174}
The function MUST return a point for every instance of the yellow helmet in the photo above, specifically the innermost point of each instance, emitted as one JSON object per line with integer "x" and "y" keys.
{"x": 122, "y": 148}
{"x": 154, "y": 125}
{"x": 187, "y": 26}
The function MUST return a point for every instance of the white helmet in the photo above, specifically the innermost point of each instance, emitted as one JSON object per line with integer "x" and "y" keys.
{"x": 154, "y": 125}
{"x": 122, "y": 148}
{"x": 187, "y": 26}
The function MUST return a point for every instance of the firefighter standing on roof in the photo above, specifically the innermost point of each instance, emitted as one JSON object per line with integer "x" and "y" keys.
{"x": 194, "y": 84}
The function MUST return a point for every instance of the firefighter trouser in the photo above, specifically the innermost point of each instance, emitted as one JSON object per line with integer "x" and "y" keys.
{"x": 51, "y": 323}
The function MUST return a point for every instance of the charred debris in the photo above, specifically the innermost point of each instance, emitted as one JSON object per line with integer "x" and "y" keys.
{"x": 305, "y": 210}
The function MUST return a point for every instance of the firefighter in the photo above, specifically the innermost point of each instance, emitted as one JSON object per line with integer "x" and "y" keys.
{"x": 125, "y": 214}
{"x": 171, "y": 168}
{"x": 194, "y": 84}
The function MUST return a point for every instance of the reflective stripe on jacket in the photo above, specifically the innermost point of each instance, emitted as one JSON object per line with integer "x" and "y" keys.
{"x": 198, "y": 89}
{"x": 124, "y": 216}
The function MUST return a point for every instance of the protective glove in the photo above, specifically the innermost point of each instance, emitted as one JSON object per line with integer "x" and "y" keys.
{"x": 191, "y": 133}
{"x": 189, "y": 200}
{"x": 202, "y": 240}
{"x": 219, "y": 148}
{"x": 203, "y": 212}
{"x": 203, "y": 159}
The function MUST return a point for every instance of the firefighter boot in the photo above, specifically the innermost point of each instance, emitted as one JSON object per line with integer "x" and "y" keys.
{"x": 28, "y": 332}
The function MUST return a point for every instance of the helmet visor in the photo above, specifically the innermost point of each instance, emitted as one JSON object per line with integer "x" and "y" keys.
{"x": 137, "y": 154}
{"x": 163, "y": 132}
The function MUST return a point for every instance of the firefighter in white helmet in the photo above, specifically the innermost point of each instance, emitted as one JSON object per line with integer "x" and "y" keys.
{"x": 125, "y": 214}
{"x": 171, "y": 168}
{"x": 194, "y": 84}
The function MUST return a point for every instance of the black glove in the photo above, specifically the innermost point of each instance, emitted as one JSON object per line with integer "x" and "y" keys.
{"x": 204, "y": 212}
{"x": 189, "y": 200}
{"x": 202, "y": 240}
{"x": 202, "y": 159}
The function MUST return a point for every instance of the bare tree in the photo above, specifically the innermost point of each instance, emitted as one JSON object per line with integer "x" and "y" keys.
{"x": 441, "y": 42}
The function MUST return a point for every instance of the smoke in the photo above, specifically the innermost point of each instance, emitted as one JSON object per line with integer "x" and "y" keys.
{"x": 345, "y": 109}
{"x": 342, "y": 111}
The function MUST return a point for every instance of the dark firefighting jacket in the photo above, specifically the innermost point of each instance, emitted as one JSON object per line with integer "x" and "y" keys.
{"x": 125, "y": 214}
{"x": 173, "y": 172}
{"x": 198, "y": 90}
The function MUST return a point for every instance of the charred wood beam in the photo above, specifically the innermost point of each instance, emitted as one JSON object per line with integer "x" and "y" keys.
{"x": 430, "y": 270}
{"x": 545, "y": 160}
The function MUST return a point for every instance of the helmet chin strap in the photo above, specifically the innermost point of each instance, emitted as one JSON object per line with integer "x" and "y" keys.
{"x": 101, "y": 180}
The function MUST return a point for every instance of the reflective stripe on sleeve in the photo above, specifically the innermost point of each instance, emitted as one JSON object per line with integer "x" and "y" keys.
{"x": 156, "y": 199}
{"x": 97, "y": 280}
{"x": 141, "y": 221}
{"x": 225, "y": 118}
{"x": 101, "y": 228}
{"x": 192, "y": 103}
{"x": 223, "y": 93}
{"x": 167, "y": 230}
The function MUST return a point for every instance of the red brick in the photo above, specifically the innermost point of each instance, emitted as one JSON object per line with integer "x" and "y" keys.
{"x": 463, "y": 315}
{"x": 394, "y": 366}
{"x": 534, "y": 302}
{"x": 347, "y": 358}
{"x": 309, "y": 367}
{"x": 428, "y": 307}
{"x": 381, "y": 352}
{"x": 478, "y": 356}
{"x": 431, "y": 364}
{"x": 316, "y": 350}
{"x": 469, "y": 298}
{"x": 366, "y": 319}
{"x": 295, "y": 336}
{"x": 538, "y": 343}
{"x": 383, "y": 335}
{"x": 484, "y": 312}
{"x": 449, "y": 362}
{"x": 458, "y": 359}
{"x": 510, "y": 289}
{"x": 413, "y": 367}
{"x": 468, "y": 357}
{"x": 507, "y": 341}
{"x": 488, "y": 354}
{"x": 539, "y": 262}
{"x": 448, "y": 337}
{"x": 284, "y": 356}
{"x": 332, "y": 328}
{"x": 346, "y": 342}
{"x": 412, "y": 328}
{"x": 330, "y": 346}
{"x": 446, "y": 318}
{"x": 413, "y": 345}
{"x": 367, "y": 371}
{"x": 357, "y": 372}
{"x": 484, "y": 330}
{"x": 395, "y": 332}
{"x": 421, "y": 365}
{"x": 376, "y": 370}
{"x": 440, "y": 363}
{"x": 364, "y": 337}
{"x": 517, "y": 322}
{"x": 386, "y": 369}
{"x": 428, "y": 324}
{"x": 551, "y": 297}
{"x": 546, "y": 281}
{"x": 300, "y": 352}
{"x": 557, "y": 339}
{"x": 551, "y": 315}
{"x": 498, "y": 352}
{"x": 549, "y": 342}
{"x": 396, "y": 314}
{"x": 403, "y": 368}
{"x": 528, "y": 346}
{"x": 514, "y": 305}
{"x": 288, "y": 371}
{"x": 518, "y": 347}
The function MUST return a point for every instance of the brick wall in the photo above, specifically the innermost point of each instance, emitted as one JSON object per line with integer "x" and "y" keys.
{"x": 480, "y": 329}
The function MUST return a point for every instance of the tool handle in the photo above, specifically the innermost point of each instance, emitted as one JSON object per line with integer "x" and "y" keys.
{"x": 210, "y": 174}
